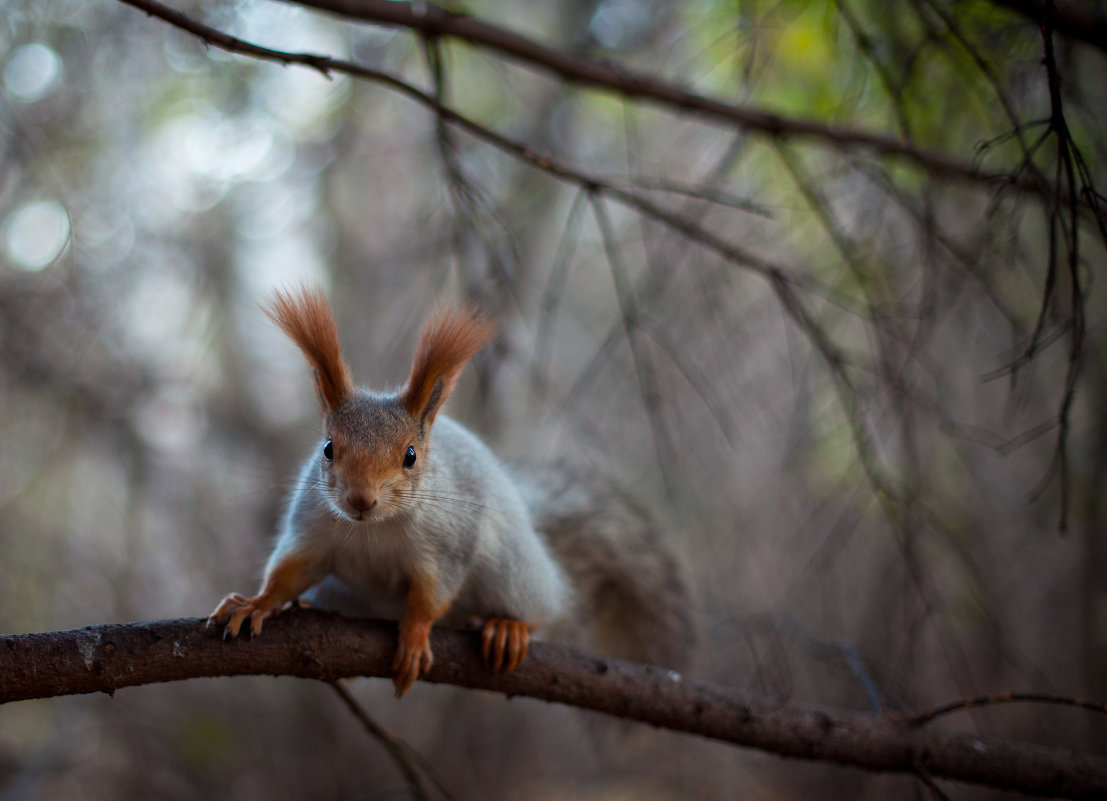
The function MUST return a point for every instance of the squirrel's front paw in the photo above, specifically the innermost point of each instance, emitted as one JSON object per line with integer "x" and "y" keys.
{"x": 235, "y": 608}
{"x": 413, "y": 659}
{"x": 504, "y": 643}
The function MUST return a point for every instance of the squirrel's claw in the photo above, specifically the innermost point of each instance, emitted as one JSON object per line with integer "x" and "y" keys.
{"x": 413, "y": 659}
{"x": 504, "y": 643}
{"x": 235, "y": 608}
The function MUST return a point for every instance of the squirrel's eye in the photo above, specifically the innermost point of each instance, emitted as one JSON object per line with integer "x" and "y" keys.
{"x": 409, "y": 457}
{"x": 328, "y": 451}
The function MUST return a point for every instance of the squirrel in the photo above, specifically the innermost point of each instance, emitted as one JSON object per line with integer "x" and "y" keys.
{"x": 386, "y": 520}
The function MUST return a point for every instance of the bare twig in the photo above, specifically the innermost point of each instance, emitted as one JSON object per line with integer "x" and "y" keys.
{"x": 321, "y": 645}
{"x": 542, "y": 161}
{"x": 1082, "y": 21}
{"x": 643, "y": 367}
{"x": 1007, "y": 698}
{"x": 401, "y": 752}
{"x": 931, "y": 785}
{"x": 1067, "y": 153}
{"x": 431, "y": 20}
{"x": 704, "y": 193}
{"x": 552, "y": 293}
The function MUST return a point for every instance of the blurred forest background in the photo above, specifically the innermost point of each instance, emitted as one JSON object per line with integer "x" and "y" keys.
{"x": 869, "y": 392}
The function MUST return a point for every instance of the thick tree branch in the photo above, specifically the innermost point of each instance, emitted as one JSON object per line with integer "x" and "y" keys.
{"x": 321, "y": 645}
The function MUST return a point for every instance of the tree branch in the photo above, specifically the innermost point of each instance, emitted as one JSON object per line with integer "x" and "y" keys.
{"x": 781, "y": 278}
{"x": 321, "y": 645}
{"x": 1081, "y": 21}
{"x": 432, "y": 21}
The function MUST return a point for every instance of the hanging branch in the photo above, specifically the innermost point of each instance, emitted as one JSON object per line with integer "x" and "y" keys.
{"x": 1007, "y": 698}
{"x": 432, "y": 21}
{"x": 1064, "y": 201}
{"x": 410, "y": 762}
{"x": 322, "y": 645}
{"x": 1081, "y": 21}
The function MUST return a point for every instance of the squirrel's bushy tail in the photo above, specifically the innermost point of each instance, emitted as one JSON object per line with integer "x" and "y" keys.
{"x": 628, "y": 585}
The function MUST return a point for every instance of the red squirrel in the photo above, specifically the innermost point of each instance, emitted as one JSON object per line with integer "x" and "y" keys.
{"x": 403, "y": 513}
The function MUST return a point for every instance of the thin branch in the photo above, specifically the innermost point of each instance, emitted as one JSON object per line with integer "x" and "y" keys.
{"x": 696, "y": 379}
{"x": 928, "y": 780}
{"x": 323, "y": 64}
{"x": 1007, "y": 698}
{"x": 541, "y": 161}
{"x": 893, "y": 89}
{"x": 475, "y": 212}
{"x": 402, "y": 753}
{"x": 985, "y": 68}
{"x": 430, "y": 20}
{"x": 552, "y": 293}
{"x": 1066, "y": 149}
{"x": 320, "y": 645}
{"x": 1081, "y": 21}
{"x": 643, "y": 367}
{"x": 707, "y": 194}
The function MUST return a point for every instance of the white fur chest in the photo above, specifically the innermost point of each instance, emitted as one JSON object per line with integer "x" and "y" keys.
{"x": 376, "y": 557}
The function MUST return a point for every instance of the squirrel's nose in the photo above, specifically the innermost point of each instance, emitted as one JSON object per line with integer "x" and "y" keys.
{"x": 360, "y": 501}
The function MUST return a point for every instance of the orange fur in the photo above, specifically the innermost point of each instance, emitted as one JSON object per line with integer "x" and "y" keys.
{"x": 413, "y": 655}
{"x": 448, "y": 341}
{"x": 287, "y": 579}
{"x": 307, "y": 320}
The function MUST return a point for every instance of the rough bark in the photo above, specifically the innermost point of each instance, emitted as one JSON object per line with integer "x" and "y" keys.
{"x": 320, "y": 645}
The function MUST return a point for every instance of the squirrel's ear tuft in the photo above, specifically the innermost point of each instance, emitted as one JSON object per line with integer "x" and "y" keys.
{"x": 307, "y": 320}
{"x": 448, "y": 341}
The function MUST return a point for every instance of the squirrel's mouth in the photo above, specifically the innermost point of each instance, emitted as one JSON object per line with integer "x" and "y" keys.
{"x": 343, "y": 511}
{"x": 354, "y": 517}
{"x": 356, "y": 507}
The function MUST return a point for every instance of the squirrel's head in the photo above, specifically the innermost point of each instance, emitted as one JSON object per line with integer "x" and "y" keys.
{"x": 376, "y": 445}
